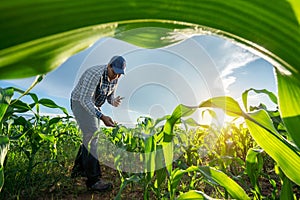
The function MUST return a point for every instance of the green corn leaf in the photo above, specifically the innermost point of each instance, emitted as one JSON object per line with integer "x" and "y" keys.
{"x": 176, "y": 175}
{"x": 191, "y": 122}
{"x": 20, "y": 106}
{"x": 228, "y": 104}
{"x": 37, "y": 80}
{"x": 289, "y": 106}
{"x": 287, "y": 189}
{"x": 1, "y": 178}
{"x": 54, "y": 120}
{"x": 264, "y": 133}
{"x": 45, "y": 54}
{"x": 23, "y": 93}
{"x": 51, "y": 104}
{"x": 4, "y": 145}
{"x": 271, "y": 95}
{"x": 223, "y": 180}
{"x": 296, "y": 7}
{"x": 168, "y": 155}
{"x": 161, "y": 173}
{"x": 49, "y": 138}
{"x": 254, "y": 164}
{"x": 5, "y": 98}
{"x": 23, "y": 122}
{"x": 175, "y": 178}
{"x": 212, "y": 113}
{"x": 179, "y": 111}
{"x": 147, "y": 34}
{"x": 134, "y": 178}
{"x": 149, "y": 154}
{"x": 194, "y": 195}
{"x": 161, "y": 119}
{"x": 36, "y": 37}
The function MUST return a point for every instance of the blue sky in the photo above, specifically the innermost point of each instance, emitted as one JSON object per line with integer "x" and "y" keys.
{"x": 157, "y": 80}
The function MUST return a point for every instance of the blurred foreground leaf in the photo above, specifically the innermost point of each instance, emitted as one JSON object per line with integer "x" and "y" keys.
{"x": 38, "y": 36}
{"x": 289, "y": 106}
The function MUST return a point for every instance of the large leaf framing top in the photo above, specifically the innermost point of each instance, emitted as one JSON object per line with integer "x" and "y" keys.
{"x": 270, "y": 27}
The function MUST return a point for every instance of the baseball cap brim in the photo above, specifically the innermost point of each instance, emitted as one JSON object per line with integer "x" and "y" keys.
{"x": 118, "y": 70}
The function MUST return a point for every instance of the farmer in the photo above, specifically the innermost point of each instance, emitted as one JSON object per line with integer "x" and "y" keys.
{"x": 96, "y": 85}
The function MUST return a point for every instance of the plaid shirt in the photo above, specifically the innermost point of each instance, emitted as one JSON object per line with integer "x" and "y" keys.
{"x": 93, "y": 88}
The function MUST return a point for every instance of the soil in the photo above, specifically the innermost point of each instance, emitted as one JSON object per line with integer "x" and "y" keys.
{"x": 79, "y": 191}
{"x": 76, "y": 189}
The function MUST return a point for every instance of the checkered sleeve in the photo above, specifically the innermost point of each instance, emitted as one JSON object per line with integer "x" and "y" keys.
{"x": 111, "y": 97}
{"x": 88, "y": 87}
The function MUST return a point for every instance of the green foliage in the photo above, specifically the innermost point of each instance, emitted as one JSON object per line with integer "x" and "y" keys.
{"x": 223, "y": 180}
{"x": 232, "y": 149}
{"x": 296, "y": 7}
{"x": 4, "y": 144}
{"x": 169, "y": 177}
{"x": 193, "y": 194}
{"x": 271, "y": 95}
{"x": 30, "y": 135}
{"x": 254, "y": 164}
{"x": 5, "y": 98}
{"x": 50, "y": 169}
{"x": 220, "y": 167}
{"x": 289, "y": 93}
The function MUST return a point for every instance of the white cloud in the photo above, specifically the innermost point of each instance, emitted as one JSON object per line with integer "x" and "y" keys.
{"x": 227, "y": 81}
{"x": 232, "y": 58}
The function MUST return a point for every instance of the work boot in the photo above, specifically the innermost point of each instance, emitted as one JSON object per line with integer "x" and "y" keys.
{"x": 101, "y": 186}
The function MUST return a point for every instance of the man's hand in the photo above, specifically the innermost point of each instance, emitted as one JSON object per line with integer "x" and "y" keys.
{"x": 107, "y": 121}
{"x": 117, "y": 101}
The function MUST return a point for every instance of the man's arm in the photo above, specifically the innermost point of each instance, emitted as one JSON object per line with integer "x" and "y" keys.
{"x": 112, "y": 100}
{"x": 107, "y": 120}
{"x": 111, "y": 97}
{"x": 88, "y": 87}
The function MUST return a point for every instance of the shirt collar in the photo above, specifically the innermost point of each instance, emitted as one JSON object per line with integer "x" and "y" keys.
{"x": 105, "y": 77}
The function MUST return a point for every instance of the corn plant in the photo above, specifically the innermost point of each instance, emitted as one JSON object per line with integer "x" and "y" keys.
{"x": 262, "y": 130}
{"x": 211, "y": 174}
{"x": 143, "y": 139}
{"x": 226, "y": 154}
{"x": 284, "y": 152}
{"x": 5, "y": 99}
{"x": 29, "y": 135}
{"x": 254, "y": 159}
{"x": 155, "y": 180}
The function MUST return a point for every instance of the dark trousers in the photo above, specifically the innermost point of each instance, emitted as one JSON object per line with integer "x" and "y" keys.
{"x": 87, "y": 156}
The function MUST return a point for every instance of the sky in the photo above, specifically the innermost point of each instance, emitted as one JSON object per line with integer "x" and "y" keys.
{"x": 157, "y": 80}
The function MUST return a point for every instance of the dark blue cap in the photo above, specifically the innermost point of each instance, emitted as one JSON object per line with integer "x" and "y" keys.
{"x": 118, "y": 64}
